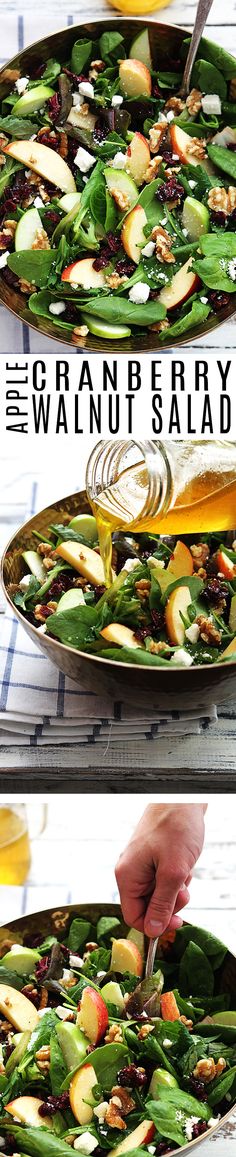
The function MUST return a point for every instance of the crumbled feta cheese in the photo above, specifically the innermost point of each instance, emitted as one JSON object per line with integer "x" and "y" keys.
{"x": 64, "y": 1013}
{"x": 204, "y": 300}
{"x": 192, "y": 184}
{"x": 167, "y": 1043}
{"x": 101, "y": 1110}
{"x": 77, "y": 99}
{"x": 4, "y": 258}
{"x": 149, "y": 249}
{"x": 86, "y": 1143}
{"x": 211, "y": 104}
{"x": 86, "y": 89}
{"x": 43, "y": 1012}
{"x": 182, "y": 657}
{"x": 158, "y": 563}
{"x": 161, "y": 119}
{"x": 66, "y": 975}
{"x": 162, "y": 276}
{"x": 231, "y": 269}
{"x": 188, "y": 1127}
{"x": 38, "y": 202}
{"x": 192, "y": 633}
{"x": 185, "y": 232}
{"x": 151, "y": 1149}
{"x": 179, "y": 1115}
{"x": 24, "y": 582}
{"x": 84, "y": 160}
{"x": 42, "y": 629}
{"x": 85, "y": 180}
{"x": 57, "y": 307}
{"x": 213, "y": 1121}
{"x": 131, "y": 563}
{"x": 139, "y": 293}
{"x": 170, "y": 115}
{"x": 175, "y": 157}
{"x": 75, "y": 961}
{"x": 117, "y": 100}
{"x": 119, "y": 161}
{"x": 21, "y": 84}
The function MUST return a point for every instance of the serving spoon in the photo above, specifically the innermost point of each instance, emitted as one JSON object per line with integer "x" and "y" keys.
{"x": 152, "y": 947}
{"x": 203, "y": 9}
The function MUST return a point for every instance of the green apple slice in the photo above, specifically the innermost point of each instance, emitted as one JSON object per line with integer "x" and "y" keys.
{"x": 44, "y": 161}
{"x": 105, "y": 329}
{"x": 70, "y": 599}
{"x": 195, "y": 218}
{"x": 232, "y": 615}
{"x": 161, "y": 1077}
{"x": 73, "y": 1044}
{"x": 21, "y": 960}
{"x": 18, "y": 1053}
{"x": 85, "y": 524}
{"x": 26, "y": 229}
{"x": 140, "y": 48}
{"x": 69, "y": 201}
{"x": 112, "y": 994}
{"x": 225, "y": 1018}
{"x": 35, "y": 564}
{"x": 118, "y": 180}
{"x": 32, "y": 99}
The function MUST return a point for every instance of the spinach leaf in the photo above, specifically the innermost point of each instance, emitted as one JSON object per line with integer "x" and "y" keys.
{"x": 223, "y": 159}
{"x": 213, "y": 271}
{"x": 39, "y": 304}
{"x": 195, "y": 971}
{"x": 78, "y": 934}
{"x": 107, "y": 1060}
{"x": 126, "y": 655}
{"x": 17, "y": 127}
{"x": 182, "y": 1100}
{"x": 80, "y": 56}
{"x": 209, "y": 943}
{"x": 196, "y": 315}
{"x": 221, "y": 1086}
{"x": 33, "y": 265}
{"x": 51, "y": 71}
{"x": 8, "y": 977}
{"x": 219, "y": 57}
{"x": 110, "y": 45}
{"x": 164, "y": 1117}
{"x": 218, "y": 245}
{"x": 58, "y": 1068}
{"x": 118, "y": 309}
{"x": 7, "y": 172}
{"x": 40, "y": 1036}
{"x": 23, "y": 598}
{"x": 37, "y": 1142}
{"x": 106, "y": 925}
{"x": 207, "y": 78}
{"x": 194, "y": 584}
{"x": 79, "y": 627}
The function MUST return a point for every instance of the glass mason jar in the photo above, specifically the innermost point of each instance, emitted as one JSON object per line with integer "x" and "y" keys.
{"x": 173, "y": 487}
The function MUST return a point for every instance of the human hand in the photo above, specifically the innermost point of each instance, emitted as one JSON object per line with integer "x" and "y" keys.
{"x": 155, "y": 869}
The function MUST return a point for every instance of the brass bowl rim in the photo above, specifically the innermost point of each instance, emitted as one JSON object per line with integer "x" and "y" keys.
{"x": 112, "y": 345}
{"x": 98, "y": 659}
{"x": 116, "y": 909}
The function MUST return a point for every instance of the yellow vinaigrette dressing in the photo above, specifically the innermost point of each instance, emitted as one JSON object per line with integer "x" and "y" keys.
{"x": 14, "y": 847}
{"x": 199, "y": 496}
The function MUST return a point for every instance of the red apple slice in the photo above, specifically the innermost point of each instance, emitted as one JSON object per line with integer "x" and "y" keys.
{"x": 93, "y": 1015}
{"x": 83, "y": 559}
{"x": 181, "y": 142}
{"x": 82, "y": 273}
{"x": 181, "y": 563}
{"x": 230, "y": 650}
{"x": 43, "y": 161}
{"x": 135, "y": 78}
{"x": 183, "y": 284}
{"x": 225, "y": 565}
{"x": 176, "y": 606}
{"x": 140, "y": 1136}
{"x": 125, "y": 957}
{"x": 81, "y": 1092}
{"x": 26, "y": 1109}
{"x": 132, "y": 235}
{"x": 138, "y": 154}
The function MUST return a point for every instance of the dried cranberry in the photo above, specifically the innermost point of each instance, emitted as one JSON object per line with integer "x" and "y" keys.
{"x": 142, "y": 633}
{"x": 232, "y": 147}
{"x": 72, "y": 76}
{"x": 171, "y": 190}
{"x": 218, "y": 300}
{"x": 42, "y": 966}
{"x": 71, "y": 314}
{"x": 155, "y": 90}
{"x": 98, "y": 592}
{"x": 58, "y": 585}
{"x": 54, "y": 107}
{"x": 162, "y": 1150}
{"x": 53, "y": 1104}
{"x": 133, "y": 1076}
{"x": 125, "y": 267}
{"x": 107, "y": 251}
{"x": 113, "y": 242}
{"x": 100, "y": 132}
{"x": 218, "y": 218}
{"x": 52, "y": 216}
{"x": 103, "y": 260}
{"x": 215, "y": 590}
{"x": 198, "y": 1129}
{"x": 158, "y": 622}
{"x": 51, "y": 141}
{"x": 198, "y": 1089}
{"x": 167, "y": 156}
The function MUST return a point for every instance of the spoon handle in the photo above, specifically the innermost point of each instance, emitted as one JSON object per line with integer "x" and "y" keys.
{"x": 152, "y": 947}
{"x": 203, "y": 9}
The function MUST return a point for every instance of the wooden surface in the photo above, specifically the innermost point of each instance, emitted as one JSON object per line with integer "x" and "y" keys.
{"x": 81, "y": 831}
